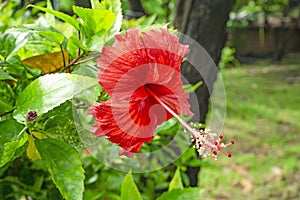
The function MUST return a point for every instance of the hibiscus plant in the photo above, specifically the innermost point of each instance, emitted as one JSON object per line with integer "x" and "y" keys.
{"x": 66, "y": 81}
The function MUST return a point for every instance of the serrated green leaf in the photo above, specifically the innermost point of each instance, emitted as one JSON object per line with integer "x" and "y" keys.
{"x": 115, "y": 7}
{"x": 129, "y": 191}
{"x": 49, "y": 91}
{"x": 9, "y": 131}
{"x": 5, "y": 76}
{"x": 176, "y": 182}
{"x": 59, "y": 15}
{"x": 13, "y": 150}
{"x": 94, "y": 20}
{"x": 182, "y": 194}
{"x": 64, "y": 165}
{"x": 11, "y": 42}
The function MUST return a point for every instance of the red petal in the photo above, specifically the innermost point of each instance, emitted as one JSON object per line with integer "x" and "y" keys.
{"x": 132, "y": 50}
{"x": 115, "y": 122}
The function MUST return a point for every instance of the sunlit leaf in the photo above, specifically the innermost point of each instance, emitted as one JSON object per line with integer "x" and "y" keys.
{"x": 54, "y": 36}
{"x": 49, "y": 62}
{"x": 49, "y": 91}
{"x": 31, "y": 150}
{"x": 59, "y": 15}
{"x": 115, "y": 7}
{"x": 64, "y": 165}
{"x": 129, "y": 191}
{"x": 9, "y": 131}
{"x": 95, "y": 20}
{"x": 11, "y": 42}
{"x": 13, "y": 149}
{"x": 176, "y": 182}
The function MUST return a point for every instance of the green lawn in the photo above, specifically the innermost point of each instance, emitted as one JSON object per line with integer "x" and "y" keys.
{"x": 263, "y": 117}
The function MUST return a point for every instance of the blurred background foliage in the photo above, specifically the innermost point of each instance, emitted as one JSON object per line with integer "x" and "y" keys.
{"x": 22, "y": 178}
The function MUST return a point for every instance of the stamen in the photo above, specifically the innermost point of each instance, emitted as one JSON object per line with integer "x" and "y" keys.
{"x": 204, "y": 141}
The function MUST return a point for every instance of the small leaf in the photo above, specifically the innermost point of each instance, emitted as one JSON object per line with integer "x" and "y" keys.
{"x": 59, "y": 15}
{"x": 176, "y": 182}
{"x": 10, "y": 129}
{"x": 129, "y": 191}
{"x": 7, "y": 97}
{"x": 64, "y": 165}
{"x": 94, "y": 20}
{"x": 12, "y": 150}
{"x": 49, "y": 62}
{"x": 11, "y": 42}
{"x": 5, "y": 76}
{"x": 49, "y": 91}
{"x": 53, "y": 36}
{"x": 192, "y": 88}
{"x": 31, "y": 151}
{"x": 115, "y": 7}
{"x": 182, "y": 194}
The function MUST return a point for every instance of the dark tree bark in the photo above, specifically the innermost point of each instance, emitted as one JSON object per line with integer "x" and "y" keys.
{"x": 136, "y": 8}
{"x": 204, "y": 21}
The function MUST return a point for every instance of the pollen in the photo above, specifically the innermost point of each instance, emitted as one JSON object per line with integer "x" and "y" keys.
{"x": 206, "y": 144}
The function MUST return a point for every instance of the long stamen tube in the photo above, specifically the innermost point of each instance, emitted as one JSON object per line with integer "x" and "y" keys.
{"x": 205, "y": 142}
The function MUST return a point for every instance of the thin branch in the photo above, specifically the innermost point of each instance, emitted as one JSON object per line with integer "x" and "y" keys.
{"x": 85, "y": 60}
{"x": 6, "y": 113}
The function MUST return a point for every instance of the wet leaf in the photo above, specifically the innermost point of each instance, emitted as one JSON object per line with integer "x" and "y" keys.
{"x": 49, "y": 91}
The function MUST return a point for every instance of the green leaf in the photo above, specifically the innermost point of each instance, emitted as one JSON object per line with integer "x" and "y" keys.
{"x": 11, "y": 42}
{"x": 13, "y": 149}
{"x": 129, "y": 191}
{"x": 64, "y": 165}
{"x": 182, "y": 194}
{"x": 49, "y": 91}
{"x": 31, "y": 150}
{"x": 53, "y": 36}
{"x": 5, "y": 76}
{"x": 94, "y": 21}
{"x": 10, "y": 129}
{"x": 59, "y": 15}
{"x": 59, "y": 124}
{"x": 115, "y": 7}
{"x": 7, "y": 97}
{"x": 176, "y": 182}
{"x": 192, "y": 88}
{"x": 167, "y": 126}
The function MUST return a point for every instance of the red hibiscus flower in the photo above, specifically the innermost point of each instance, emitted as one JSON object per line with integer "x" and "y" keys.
{"x": 141, "y": 73}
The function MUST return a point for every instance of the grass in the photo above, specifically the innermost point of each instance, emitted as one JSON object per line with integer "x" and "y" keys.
{"x": 263, "y": 117}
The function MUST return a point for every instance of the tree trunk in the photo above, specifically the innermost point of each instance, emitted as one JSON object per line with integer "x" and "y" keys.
{"x": 204, "y": 21}
{"x": 136, "y": 8}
